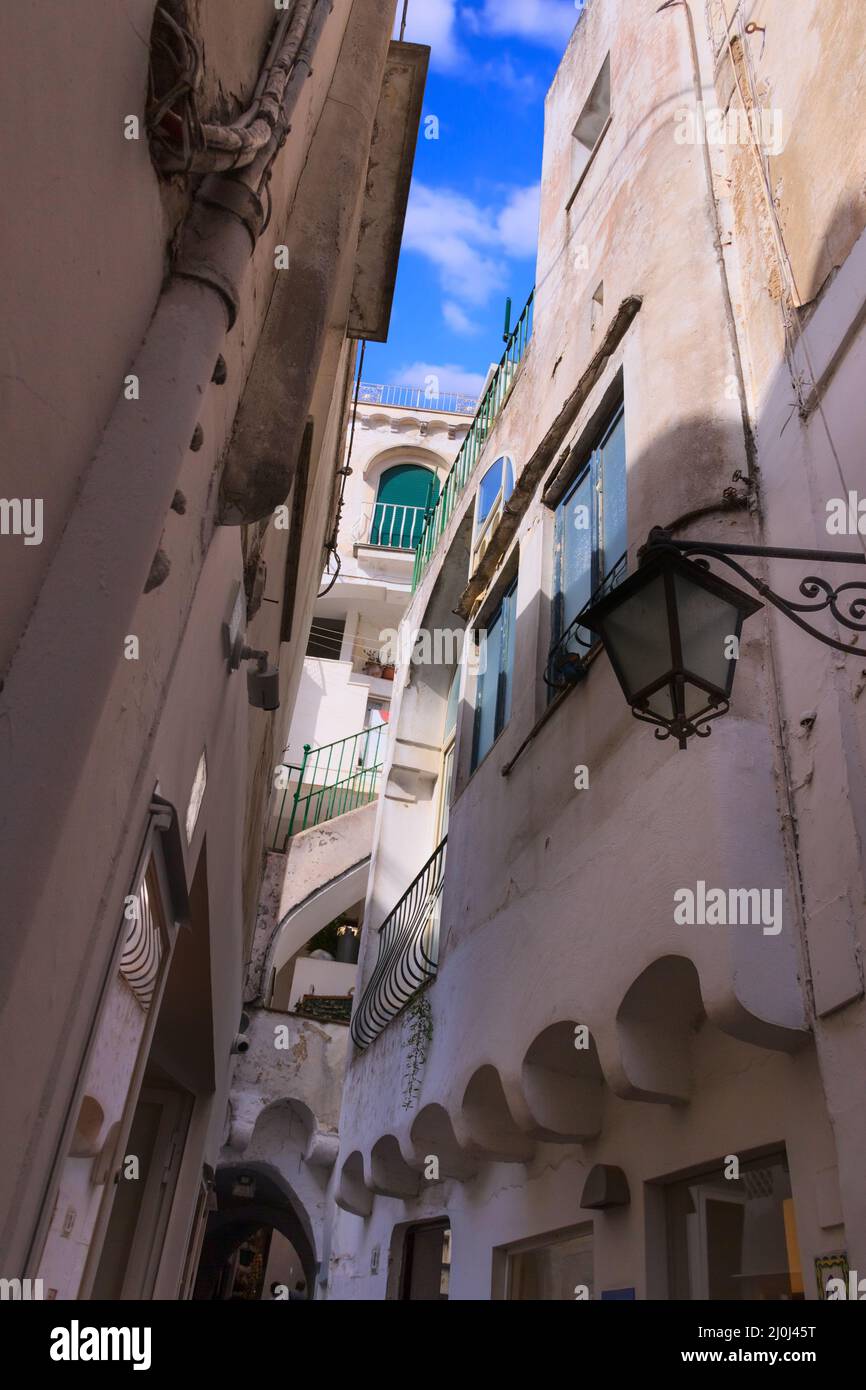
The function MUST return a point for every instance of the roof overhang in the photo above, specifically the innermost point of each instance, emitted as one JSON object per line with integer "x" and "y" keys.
{"x": 389, "y": 174}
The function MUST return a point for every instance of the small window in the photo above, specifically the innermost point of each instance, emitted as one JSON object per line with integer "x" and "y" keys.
{"x": 596, "y": 310}
{"x": 555, "y": 1269}
{"x": 494, "y": 491}
{"x": 591, "y": 543}
{"x": 451, "y": 707}
{"x": 326, "y": 638}
{"x": 493, "y": 697}
{"x": 591, "y": 128}
{"x": 446, "y": 776}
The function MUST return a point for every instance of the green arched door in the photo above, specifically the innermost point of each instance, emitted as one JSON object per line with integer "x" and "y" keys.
{"x": 407, "y": 493}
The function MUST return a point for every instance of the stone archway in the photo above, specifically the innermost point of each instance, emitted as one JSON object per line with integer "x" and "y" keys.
{"x": 271, "y": 1205}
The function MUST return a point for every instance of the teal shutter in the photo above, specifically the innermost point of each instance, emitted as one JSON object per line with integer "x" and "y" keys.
{"x": 407, "y": 492}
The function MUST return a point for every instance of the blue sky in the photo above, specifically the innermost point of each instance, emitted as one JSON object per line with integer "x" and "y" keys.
{"x": 471, "y": 227}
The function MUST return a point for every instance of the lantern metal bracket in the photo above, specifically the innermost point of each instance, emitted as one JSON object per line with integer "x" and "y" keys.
{"x": 687, "y": 728}
{"x": 846, "y": 602}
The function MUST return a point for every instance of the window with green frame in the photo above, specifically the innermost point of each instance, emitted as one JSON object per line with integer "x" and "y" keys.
{"x": 407, "y": 492}
{"x": 590, "y": 546}
{"x": 493, "y": 691}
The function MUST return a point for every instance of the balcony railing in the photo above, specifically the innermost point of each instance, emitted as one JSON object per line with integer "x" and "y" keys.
{"x": 417, "y": 398}
{"x": 393, "y": 526}
{"x": 470, "y": 450}
{"x": 408, "y": 952}
{"x": 567, "y": 659}
{"x": 331, "y": 780}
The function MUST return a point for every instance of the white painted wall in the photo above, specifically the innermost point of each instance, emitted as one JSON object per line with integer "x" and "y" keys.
{"x": 331, "y": 705}
{"x": 321, "y": 977}
{"x": 568, "y": 892}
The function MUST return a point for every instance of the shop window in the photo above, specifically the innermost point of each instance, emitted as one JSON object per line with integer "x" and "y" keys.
{"x": 734, "y": 1238}
{"x": 551, "y": 1268}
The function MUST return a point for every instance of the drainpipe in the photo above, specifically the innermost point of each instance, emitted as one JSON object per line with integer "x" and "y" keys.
{"x": 94, "y": 584}
{"x": 221, "y": 199}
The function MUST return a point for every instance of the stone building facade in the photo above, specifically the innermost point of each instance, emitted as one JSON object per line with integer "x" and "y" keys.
{"x": 209, "y": 206}
{"x": 607, "y": 1100}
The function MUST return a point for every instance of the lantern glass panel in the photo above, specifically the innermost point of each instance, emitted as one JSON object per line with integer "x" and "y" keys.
{"x": 661, "y": 703}
{"x": 637, "y": 633}
{"x": 706, "y": 623}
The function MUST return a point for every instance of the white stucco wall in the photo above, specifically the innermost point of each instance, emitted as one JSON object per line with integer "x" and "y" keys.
{"x": 558, "y": 902}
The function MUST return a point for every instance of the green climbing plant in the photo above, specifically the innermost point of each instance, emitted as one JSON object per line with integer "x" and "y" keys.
{"x": 418, "y": 1036}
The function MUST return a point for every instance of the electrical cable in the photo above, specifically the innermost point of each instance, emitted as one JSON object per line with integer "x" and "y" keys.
{"x": 213, "y": 147}
{"x": 326, "y": 637}
{"x": 345, "y": 470}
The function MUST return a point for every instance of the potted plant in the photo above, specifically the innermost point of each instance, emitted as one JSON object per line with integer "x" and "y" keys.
{"x": 373, "y": 665}
{"x": 388, "y": 671}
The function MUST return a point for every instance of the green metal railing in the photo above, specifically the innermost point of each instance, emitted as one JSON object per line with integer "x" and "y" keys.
{"x": 464, "y": 465}
{"x": 331, "y": 780}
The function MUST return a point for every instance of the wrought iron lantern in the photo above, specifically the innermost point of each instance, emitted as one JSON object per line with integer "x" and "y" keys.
{"x": 672, "y": 630}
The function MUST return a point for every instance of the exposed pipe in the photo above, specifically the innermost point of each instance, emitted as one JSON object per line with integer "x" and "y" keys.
{"x": 234, "y": 146}
{"x": 275, "y": 47}
{"x": 239, "y": 196}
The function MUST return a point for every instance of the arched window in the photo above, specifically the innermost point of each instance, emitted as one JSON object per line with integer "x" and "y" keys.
{"x": 494, "y": 491}
{"x": 407, "y": 492}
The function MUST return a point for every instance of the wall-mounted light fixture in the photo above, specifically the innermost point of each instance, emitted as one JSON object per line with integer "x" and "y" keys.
{"x": 672, "y": 630}
{"x": 263, "y": 684}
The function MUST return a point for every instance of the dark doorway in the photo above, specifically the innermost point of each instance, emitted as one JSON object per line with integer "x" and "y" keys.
{"x": 256, "y": 1213}
{"x": 427, "y": 1262}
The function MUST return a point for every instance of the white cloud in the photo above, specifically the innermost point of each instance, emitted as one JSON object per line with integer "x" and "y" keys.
{"x": 457, "y": 320}
{"x": 548, "y": 22}
{"x": 503, "y": 74}
{"x": 433, "y": 22}
{"x": 517, "y": 223}
{"x": 449, "y": 377}
{"x": 468, "y": 244}
{"x": 438, "y": 23}
{"x": 459, "y": 238}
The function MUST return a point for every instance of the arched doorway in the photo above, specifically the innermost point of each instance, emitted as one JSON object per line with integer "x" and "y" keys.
{"x": 259, "y": 1236}
{"x": 407, "y": 493}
